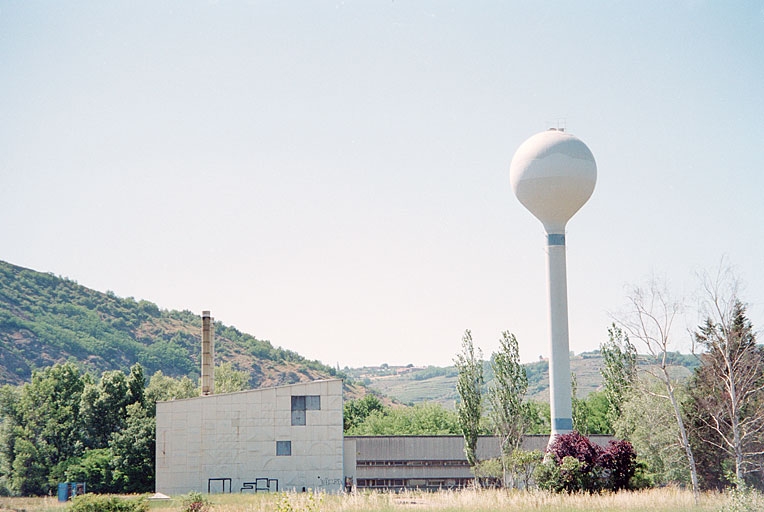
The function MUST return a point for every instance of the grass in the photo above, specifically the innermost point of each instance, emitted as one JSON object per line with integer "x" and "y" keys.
{"x": 47, "y": 504}
{"x": 653, "y": 500}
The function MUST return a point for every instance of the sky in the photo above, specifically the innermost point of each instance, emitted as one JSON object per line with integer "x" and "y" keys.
{"x": 334, "y": 176}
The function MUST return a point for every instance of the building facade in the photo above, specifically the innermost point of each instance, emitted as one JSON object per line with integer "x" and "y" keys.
{"x": 283, "y": 438}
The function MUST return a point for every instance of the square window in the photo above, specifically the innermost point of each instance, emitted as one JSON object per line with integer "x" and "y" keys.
{"x": 298, "y": 403}
{"x": 298, "y": 418}
{"x": 313, "y": 402}
{"x": 283, "y": 448}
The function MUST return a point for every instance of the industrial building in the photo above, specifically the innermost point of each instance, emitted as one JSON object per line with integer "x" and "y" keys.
{"x": 283, "y": 438}
{"x": 291, "y": 438}
{"x": 423, "y": 462}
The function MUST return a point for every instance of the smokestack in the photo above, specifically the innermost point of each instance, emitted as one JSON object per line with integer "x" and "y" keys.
{"x": 208, "y": 355}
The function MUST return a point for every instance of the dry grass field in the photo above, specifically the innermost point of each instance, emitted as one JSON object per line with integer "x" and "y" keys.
{"x": 654, "y": 500}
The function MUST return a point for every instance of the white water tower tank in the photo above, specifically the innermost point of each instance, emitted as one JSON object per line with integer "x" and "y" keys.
{"x": 553, "y": 174}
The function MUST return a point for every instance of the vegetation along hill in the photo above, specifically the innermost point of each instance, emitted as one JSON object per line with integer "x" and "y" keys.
{"x": 412, "y": 385}
{"x": 46, "y": 320}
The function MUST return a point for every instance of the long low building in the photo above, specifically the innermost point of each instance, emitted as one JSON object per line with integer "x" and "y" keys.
{"x": 291, "y": 438}
{"x": 422, "y": 462}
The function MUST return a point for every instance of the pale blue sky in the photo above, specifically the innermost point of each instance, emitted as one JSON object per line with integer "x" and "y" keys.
{"x": 334, "y": 176}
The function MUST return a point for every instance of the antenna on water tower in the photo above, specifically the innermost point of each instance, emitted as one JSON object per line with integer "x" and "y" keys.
{"x": 553, "y": 174}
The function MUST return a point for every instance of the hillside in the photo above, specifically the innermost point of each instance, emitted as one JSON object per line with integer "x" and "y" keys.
{"x": 411, "y": 385}
{"x": 46, "y": 320}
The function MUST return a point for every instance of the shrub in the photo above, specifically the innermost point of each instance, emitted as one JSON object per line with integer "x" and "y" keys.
{"x": 576, "y": 464}
{"x": 743, "y": 499}
{"x": 102, "y": 503}
{"x": 619, "y": 460}
{"x": 489, "y": 472}
{"x": 584, "y": 476}
{"x": 194, "y": 502}
{"x": 521, "y": 465}
{"x": 641, "y": 479}
{"x": 577, "y": 446}
{"x": 547, "y": 476}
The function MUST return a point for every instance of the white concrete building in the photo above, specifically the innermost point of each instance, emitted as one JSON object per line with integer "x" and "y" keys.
{"x": 284, "y": 438}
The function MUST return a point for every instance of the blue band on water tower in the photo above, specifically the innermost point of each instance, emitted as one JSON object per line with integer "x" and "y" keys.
{"x": 563, "y": 424}
{"x": 555, "y": 239}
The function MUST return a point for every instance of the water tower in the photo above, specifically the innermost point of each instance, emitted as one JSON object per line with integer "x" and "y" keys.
{"x": 553, "y": 174}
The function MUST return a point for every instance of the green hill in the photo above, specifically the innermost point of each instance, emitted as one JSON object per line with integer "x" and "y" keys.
{"x": 412, "y": 385}
{"x": 46, "y": 319}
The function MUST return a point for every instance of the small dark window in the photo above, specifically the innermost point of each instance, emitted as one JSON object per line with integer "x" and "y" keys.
{"x": 313, "y": 402}
{"x": 298, "y": 410}
{"x": 283, "y": 448}
{"x": 298, "y": 418}
{"x": 298, "y": 403}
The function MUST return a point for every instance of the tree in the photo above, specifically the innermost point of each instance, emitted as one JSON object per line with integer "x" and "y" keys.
{"x": 422, "y": 419}
{"x": 136, "y": 385}
{"x": 162, "y": 388}
{"x": 134, "y": 451}
{"x": 355, "y": 412}
{"x": 41, "y": 428}
{"x": 596, "y": 414}
{"x": 730, "y": 381}
{"x": 580, "y": 410}
{"x": 229, "y": 380}
{"x": 650, "y": 319}
{"x": 537, "y": 417}
{"x": 95, "y": 468}
{"x": 102, "y": 408}
{"x": 506, "y": 395}
{"x": 619, "y": 370}
{"x": 647, "y": 421}
{"x": 63, "y": 424}
{"x": 469, "y": 386}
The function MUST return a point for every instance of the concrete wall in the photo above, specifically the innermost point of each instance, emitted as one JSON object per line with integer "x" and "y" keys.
{"x": 234, "y": 437}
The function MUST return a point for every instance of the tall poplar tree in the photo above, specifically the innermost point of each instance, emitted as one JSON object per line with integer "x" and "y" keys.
{"x": 619, "y": 371}
{"x": 506, "y": 396}
{"x": 469, "y": 387}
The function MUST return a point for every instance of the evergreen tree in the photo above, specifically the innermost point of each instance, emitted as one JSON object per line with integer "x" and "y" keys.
{"x": 729, "y": 388}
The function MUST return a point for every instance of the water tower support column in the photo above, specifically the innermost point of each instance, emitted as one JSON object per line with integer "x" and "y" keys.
{"x": 559, "y": 354}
